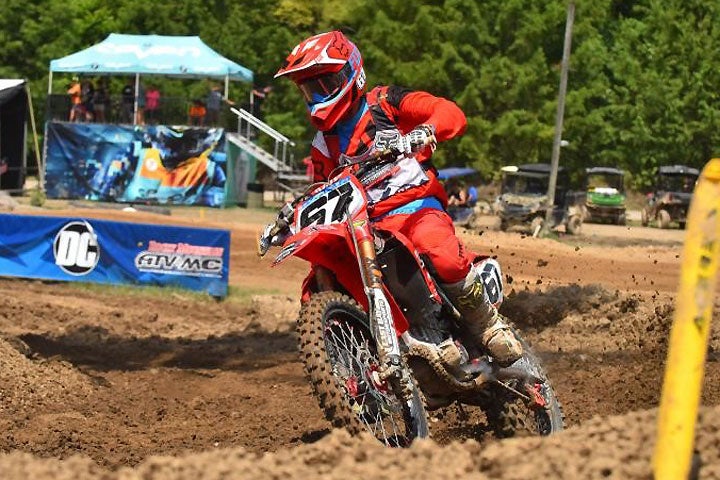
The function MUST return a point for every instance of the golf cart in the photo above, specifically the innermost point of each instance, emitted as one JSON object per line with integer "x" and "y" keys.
{"x": 671, "y": 199}
{"x": 523, "y": 199}
{"x": 605, "y": 195}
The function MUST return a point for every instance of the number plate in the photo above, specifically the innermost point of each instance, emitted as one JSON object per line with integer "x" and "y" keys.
{"x": 331, "y": 204}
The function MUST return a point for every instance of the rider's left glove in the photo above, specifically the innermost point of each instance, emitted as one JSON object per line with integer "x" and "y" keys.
{"x": 417, "y": 139}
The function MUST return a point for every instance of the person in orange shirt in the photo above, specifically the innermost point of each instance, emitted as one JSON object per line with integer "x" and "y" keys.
{"x": 197, "y": 113}
{"x": 77, "y": 111}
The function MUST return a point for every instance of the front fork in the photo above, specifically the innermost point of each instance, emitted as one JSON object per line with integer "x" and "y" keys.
{"x": 380, "y": 314}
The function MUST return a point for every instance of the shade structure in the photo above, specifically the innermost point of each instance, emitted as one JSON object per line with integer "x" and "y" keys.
{"x": 14, "y": 115}
{"x": 179, "y": 56}
{"x": 452, "y": 172}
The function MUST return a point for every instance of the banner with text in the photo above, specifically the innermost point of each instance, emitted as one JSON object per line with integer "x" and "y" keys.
{"x": 143, "y": 164}
{"x": 101, "y": 251}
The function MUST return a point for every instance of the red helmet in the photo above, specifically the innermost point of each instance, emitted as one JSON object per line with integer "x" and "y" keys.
{"x": 328, "y": 69}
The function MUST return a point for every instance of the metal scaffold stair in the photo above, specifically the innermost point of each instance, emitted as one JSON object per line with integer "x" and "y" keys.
{"x": 280, "y": 161}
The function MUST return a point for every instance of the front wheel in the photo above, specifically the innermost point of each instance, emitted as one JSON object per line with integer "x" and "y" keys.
{"x": 342, "y": 363}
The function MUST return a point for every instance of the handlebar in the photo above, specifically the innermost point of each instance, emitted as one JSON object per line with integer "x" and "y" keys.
{"x": 285, "y": 216}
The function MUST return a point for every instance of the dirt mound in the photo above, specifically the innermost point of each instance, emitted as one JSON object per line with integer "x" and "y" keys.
{"x": 172, "y": 384}
{"x": 615, "y": 447}
{"x": 35, "y": 383}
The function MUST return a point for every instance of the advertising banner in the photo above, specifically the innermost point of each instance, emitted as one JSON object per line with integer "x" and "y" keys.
{"x": 100, "y": 251}
{"x": 141, "y": 164}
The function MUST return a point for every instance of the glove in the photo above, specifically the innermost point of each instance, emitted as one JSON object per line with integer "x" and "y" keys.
{"x": 420, "y": 137}
{"x": 275, "y": 234}
{"x": 271, "y": 236}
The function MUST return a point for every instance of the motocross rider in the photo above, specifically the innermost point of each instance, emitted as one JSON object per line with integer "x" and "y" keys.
{"x": 328, "y": 70}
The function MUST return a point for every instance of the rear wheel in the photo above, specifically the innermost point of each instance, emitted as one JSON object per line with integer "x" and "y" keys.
{"x": 574, "y": 225}
{"x": 343, "y": 367}
{"x": 663, "y": 219}
{"x": 511, "y": 415}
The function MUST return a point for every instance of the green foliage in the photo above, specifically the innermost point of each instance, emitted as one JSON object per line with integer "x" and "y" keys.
{"x": 642, "y": 88}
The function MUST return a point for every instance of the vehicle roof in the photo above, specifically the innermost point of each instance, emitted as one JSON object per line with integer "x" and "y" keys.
{"x": 611, "y": 170}
{"x": 679, "y": 169}
{"x": 538, "y": 168}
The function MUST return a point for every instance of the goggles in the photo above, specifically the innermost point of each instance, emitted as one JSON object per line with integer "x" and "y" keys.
{"x": 323, "y": 88}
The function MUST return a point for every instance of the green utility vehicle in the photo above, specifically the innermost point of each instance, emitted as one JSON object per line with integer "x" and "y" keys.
{"x": 605, "y": 195}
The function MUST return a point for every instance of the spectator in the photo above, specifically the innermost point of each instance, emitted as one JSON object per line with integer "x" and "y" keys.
{"x": 87, "y": 93}
{"x": 257, "y": 98}
{"x": 472, "y": 196}
{"x": 127, "y": 102}
{"x": 152, "y": 104}
{"x": 77, "y": 111}
{"x": 101, "y": 100}
{"x": 140, "y": 113}
{"x": 213, "y": 104}
{"x": 197, "y": 113}
{"x": 457, "y": 195}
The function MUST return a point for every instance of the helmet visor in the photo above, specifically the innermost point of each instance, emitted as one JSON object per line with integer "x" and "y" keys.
{"x": 322, "y": 88}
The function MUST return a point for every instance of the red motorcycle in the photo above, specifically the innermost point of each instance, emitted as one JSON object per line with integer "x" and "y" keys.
{"x": 380, "y": 340}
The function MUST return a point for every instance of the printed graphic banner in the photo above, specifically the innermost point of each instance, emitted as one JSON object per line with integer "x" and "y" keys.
{"x": 100, "y": 251}
{"x": 148, "y": 164}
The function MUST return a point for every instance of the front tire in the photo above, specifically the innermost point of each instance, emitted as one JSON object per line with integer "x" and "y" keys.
{"x": 341, "y": 362}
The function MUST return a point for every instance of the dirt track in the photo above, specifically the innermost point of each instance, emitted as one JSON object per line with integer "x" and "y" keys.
{"x": 118, "y": 378}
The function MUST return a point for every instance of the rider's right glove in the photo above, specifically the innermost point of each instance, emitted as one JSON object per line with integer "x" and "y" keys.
{"x": 275, "y": 234}
{"x": 417, "y": 139}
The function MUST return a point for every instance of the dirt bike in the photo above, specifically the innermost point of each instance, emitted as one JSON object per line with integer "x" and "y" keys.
{"x": 380, "y": 341}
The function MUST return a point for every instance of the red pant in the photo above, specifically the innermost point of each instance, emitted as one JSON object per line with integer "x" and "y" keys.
{"x": 433, "y": 234}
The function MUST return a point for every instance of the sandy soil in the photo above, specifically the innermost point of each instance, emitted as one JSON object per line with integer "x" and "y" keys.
{"x": 95, "y": 383}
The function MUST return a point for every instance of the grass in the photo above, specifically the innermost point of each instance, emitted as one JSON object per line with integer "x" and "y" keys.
{"x": 236, "y": 295}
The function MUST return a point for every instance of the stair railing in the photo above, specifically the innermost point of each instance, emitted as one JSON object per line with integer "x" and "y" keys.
{"x": 250, "y": 122}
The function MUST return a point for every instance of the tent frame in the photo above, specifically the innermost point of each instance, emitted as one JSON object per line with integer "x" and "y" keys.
{"x": 226, "y": 76}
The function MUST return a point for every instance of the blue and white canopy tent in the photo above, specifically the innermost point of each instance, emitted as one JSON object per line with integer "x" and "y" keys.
{"x": 182, "y": 57}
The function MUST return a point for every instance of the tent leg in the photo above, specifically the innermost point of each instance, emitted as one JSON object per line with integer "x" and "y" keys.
{"x": 135, "y": 106}
{"x": 49, "y": 83}
{"x": 41, "y": 167}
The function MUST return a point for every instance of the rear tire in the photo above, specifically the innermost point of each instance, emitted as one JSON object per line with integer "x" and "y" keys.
{"x": 510, "y": 416}
{"x": 663, "y": 219}
{"x": 574, "y": 225}
{"x": 341, "y": 363}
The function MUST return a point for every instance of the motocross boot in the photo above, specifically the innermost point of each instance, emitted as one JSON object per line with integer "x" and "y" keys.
{"x": 482, "y": 321}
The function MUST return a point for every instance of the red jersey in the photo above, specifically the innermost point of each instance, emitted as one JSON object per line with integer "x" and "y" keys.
{"x": 393, "y": 111}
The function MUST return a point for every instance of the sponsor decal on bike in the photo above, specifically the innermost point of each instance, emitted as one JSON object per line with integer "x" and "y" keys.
{"x": 181, "y": 259}
{"x": 76, "y": 248}
{"x": 287, "y": 250}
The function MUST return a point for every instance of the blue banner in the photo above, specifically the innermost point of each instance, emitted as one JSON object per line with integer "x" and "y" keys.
{"x": 142, "y": 164}
{"x": 100, "y": 251}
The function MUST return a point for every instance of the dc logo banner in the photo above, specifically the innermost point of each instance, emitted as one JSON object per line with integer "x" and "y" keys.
{"x": 76, "y": 248}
